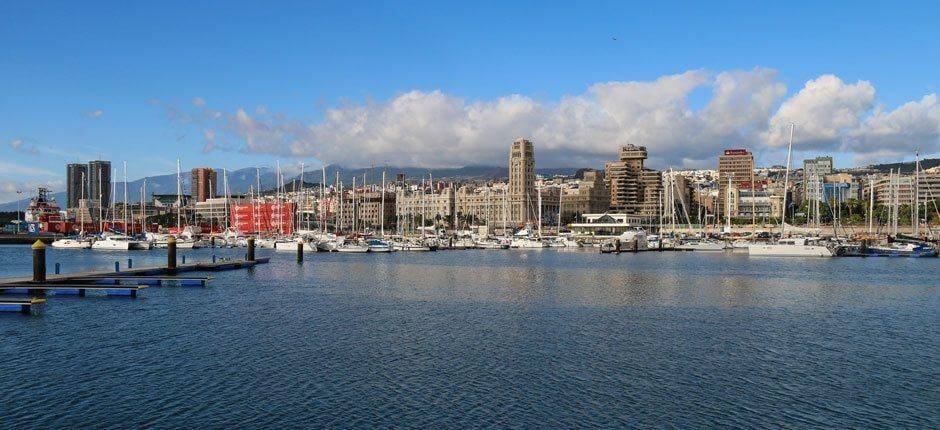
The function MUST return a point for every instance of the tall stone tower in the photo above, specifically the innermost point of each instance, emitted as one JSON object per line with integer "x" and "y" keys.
{"x": 522, "y": 195}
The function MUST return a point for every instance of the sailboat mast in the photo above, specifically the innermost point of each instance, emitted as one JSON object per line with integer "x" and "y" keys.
{"x": 786, "y": 183}
{"x": 539, "y": 201}
{"x": 382, "y": 210}
{"x": 915, "y": 215}
{"x": 871, "y": 203}
{"x": 179, "y": 198}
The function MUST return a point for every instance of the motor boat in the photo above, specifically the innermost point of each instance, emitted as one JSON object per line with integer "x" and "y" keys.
{"x": 353, "y": 247}
{"x": 563, "y": 242}
{"x": 72, "y": 243}
{"x": 491, "y": 244}
{"x": 288, "y": 245}
{"x": 378, "y": 245}
{"x": 116, "y": 242}
{"x": 700, "y": 245}
{"x": 790, "y": 247}
{"x": 264, "y": 243}
{"x": 629, "y": 237}
{"x": 409, "y": 246}
{"x": 527, "y": 243}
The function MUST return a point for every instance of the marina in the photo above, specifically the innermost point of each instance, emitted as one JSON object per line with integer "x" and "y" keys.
{"x": 525, "y": 323}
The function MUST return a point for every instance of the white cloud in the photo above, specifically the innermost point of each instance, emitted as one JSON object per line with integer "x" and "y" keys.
{"x": 745, "y": 108}
{"x": 94, "y": 113}
{"x": 889, "y": 135}
{"x": 823, "y": 112}
{"x": 199, "y": 102}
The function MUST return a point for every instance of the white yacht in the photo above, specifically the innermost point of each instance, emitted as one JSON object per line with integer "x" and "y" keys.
{"x": 113, "y": 242}
{"x": 627, "y": 238}
{"x": 790, "y": 247}
{"x": 288, "y": 245}
{"x": 409, "y": 246}
{"x": 700, "y": 245}
{"x": 379, "y": 245}
{"x": 527, "y": 243}
{"x": 72, "y": 243}
{"x": 491, "y": 244}
{"x": 352, "y": 247}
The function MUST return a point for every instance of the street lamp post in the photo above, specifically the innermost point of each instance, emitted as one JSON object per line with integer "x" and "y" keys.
{"x": 18, "y": 192}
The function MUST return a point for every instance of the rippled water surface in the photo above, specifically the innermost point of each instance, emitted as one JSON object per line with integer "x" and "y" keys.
{"x": 467, "y": 339}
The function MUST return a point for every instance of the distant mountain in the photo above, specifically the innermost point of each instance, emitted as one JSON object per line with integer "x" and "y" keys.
{"x": 906, "y": 168}
{"x": 240, "y": 180}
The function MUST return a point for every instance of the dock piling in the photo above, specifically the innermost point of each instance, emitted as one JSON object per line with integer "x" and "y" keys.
{"x": 184, "y": 258}
{"x": 39, "y": 262}
{"x": 117, "y": 266}
{"x": 171, "y": 254}
{"x": 57, "y": 268}
{"x": 130, "y": 263}
{"x": 300, "y": 252}
{"x": 251, "y": 249}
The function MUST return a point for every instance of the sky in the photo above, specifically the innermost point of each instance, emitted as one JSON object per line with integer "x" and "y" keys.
{"x": 237, "y": 84}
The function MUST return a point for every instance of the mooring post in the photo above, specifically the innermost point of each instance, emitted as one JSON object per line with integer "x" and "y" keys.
{"x": 39, "y": 261}
{"x": 212, "y": 242}
{"x": 617, "y": 246}
{"x": 636, "y": 245}
{"x": 300, "y": 252}
{"x": 171, "y": 254}
{"x": 184, "y": 258}
{"x": 251, "y": 249}
{"x": 661, "y": 243}
{"x": 130, "y": 263}
{"x": 213, "y": 258}
{"x": 117, "y": 266}
{"x": 57, "y": 268}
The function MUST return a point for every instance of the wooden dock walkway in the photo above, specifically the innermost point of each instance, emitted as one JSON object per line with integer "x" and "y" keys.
{"x": 127, "y": 282}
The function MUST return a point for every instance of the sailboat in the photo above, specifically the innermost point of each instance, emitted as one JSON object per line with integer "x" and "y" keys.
{"x": 80, "y": 241}
{"x": 789, "y": 247}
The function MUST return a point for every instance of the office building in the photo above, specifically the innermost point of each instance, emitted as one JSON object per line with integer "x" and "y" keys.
{"x": 814, "y": 174}
{"x": 76, "y": 183}
{"x": 633, "y": 188}
{"x": 735, "y": 166}
{"x": 204, "y": 184}
{"x": 99, "y": 182}
{"x": 589, "y": 196}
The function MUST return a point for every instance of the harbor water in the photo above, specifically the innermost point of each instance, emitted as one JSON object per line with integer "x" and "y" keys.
{"x": 483, "y": 339}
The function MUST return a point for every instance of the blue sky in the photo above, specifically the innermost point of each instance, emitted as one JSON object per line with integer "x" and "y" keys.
{"x": 150, "y": 82}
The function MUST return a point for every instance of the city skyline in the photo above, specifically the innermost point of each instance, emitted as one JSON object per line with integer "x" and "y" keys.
{"x": 463, "y": 106}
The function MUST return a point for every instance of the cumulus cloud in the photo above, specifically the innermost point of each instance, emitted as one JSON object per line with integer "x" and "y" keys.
{"x": 199, "y": 102}
{"x": 746, "y": 108}
{"x": 823, "y": 111}
{"x": 892, "y": 134}
{"x": 94, "y": 113}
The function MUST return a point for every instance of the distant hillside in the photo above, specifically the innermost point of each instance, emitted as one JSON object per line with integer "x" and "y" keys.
{"x": 240, "y": 180}
{"x": 906, "y": 168}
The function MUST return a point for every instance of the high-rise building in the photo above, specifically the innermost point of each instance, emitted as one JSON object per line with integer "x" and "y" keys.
{"x": 633, "y": 188}
{"x": 735, "y": 166}
{"x": 99, "y": 182}
{"x": 76, "y": 183}
{"x": 522, "y": 195}
{"x": 814, "y": 173}
{"x": 204, "y": 184}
